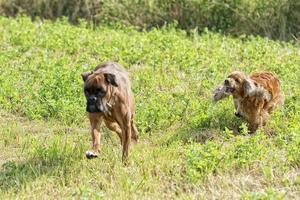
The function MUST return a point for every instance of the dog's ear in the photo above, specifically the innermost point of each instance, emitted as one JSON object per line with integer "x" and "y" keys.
{"x": 85, "y": 75}
{"x": 249, "y": 87}
{"x": 252, "y": 89}
{"x": 111, "y": 79}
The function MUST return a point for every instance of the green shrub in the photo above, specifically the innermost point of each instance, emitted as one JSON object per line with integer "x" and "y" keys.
{"x": 272, "y": 18}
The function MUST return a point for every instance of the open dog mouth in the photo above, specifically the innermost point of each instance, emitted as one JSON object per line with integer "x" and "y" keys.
{"x": 222, "y": 92}
{"x": 229, "y": 90}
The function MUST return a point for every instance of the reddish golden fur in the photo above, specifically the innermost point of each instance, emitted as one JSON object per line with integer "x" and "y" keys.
{"x": 254, "y": 96}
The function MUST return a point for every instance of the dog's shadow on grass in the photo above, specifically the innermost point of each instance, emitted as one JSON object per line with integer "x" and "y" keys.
{"x": 207, "y": 129}
{"x": 14, "y": 174}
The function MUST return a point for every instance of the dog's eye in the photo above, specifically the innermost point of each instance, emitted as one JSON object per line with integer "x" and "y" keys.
{"x": 100, "y": 91}
{"x": 86, "y": 91}
{"x": 237, "y": 80}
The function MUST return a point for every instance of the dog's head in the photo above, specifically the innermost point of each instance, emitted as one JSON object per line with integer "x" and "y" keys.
{"x": 97, "y": 90}
{"x": 237, "y": 84}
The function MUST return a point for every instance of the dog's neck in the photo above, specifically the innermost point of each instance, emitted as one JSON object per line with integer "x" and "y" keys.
{"x": 239, "y": 95}
{"x": 110, "y": 103}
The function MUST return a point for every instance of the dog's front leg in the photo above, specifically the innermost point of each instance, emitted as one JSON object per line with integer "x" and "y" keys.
{"x": 255, "y": 122}
{"x": 237, "y": 106}
{"x": 95, "y": 121}
{"x": 265, "y": 117}
{"x": 258, "y": 117}
{"x": 114, "y": 126}
{"x": 253, "y": 126}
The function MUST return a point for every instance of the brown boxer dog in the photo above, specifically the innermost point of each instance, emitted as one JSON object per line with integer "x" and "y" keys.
{"x": 254, "y": 96}
{"x": 109, "y": 98}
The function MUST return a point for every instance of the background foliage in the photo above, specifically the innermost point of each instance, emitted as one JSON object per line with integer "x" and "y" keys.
{"x": 277, "y": 19}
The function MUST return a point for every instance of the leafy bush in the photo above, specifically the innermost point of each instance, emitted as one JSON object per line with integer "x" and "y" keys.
{"x": 272, "y": 18}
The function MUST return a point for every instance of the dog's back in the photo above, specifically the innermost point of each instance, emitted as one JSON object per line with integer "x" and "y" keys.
{"x": 122, "y": 78}
{"x": 114, "y": 68}
{"x": 271, "y": 83}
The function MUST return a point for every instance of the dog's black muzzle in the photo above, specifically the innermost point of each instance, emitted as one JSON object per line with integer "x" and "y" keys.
{"x": 95, "y": 105}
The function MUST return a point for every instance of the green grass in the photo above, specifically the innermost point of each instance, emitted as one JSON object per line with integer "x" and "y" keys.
{"x": 187, "y": 148}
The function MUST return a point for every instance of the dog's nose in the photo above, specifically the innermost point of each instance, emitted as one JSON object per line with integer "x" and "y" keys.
{"x": 226, "y": 82}
{"x": 92, "y": 99}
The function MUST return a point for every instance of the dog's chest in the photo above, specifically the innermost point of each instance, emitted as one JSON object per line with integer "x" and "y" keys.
{"x": 108, "y": 115}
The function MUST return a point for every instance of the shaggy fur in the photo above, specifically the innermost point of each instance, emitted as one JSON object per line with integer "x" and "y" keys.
{"x": 254, "y": 96}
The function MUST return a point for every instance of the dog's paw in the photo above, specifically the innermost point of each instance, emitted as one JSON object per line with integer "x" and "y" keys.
{"x": 135, "y": 138}
{"x": 237, "y": 114}
{"x": 91, "y": 154}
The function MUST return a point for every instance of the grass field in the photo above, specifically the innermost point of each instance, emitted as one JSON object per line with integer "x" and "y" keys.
{"x": 187, "y": 149}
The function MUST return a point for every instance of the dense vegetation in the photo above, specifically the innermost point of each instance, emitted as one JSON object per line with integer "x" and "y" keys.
{"x": 187, "y": 147}
{"x": 277, "y": 19}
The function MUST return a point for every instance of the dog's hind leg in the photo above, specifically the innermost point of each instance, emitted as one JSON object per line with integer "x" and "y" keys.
{"x": 274, "y": 103}
{"x": 126, "y": 126}
{"x": 134, "y": 131}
